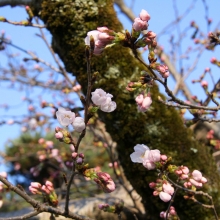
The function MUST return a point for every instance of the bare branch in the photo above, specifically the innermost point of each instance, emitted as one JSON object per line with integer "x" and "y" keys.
{"x": 39, "y": 206}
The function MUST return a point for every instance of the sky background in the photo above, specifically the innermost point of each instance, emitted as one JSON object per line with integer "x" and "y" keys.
{"x": 162, "y": 13}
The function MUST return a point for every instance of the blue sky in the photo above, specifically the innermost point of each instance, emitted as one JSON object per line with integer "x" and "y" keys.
{"x": 162, "y": 13}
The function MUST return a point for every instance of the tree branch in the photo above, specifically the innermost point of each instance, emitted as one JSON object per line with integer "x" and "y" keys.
{"x": 35, "y": 3}
{"x": 128, "y": 12}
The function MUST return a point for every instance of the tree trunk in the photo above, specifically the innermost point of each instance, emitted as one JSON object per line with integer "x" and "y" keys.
{"x": 159, "y": 128}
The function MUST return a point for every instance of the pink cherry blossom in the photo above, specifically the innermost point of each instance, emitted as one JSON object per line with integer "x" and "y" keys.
{"x": 138, "y": 154}
{"x": 145, "y": 156}
{"x": 152, "y": 155}
{"x": 103, "y": 100}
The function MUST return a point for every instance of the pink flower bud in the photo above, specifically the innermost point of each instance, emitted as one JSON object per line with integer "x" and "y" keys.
{"x": 35, "y": 187}
{"x": 152, "y": 185}
{"x": 104, "y": 37}
{"x": 144, "y": 16}
{"x": 3, "y": 174}
{"x": 102, "y": 29}
{"x": 31, "y": 108}
{"x": 54, "y": 152}
{"x": 195, "y": 183}
{"x": 41, "y": 141}
{"x": 49, "y": 185}
{"x": 139, "y": 25}
{"x": 213, "y": 60}
{"x": 203, "y": 180}
{"x": 74, "y": 155}
{"x": 184, "y": 176}
{"x": 79, "y": 161}
{"x": 45, "y": 189}
{"x": 207, "y": 69}
{"x": 197, "y": 175}
{"x": 59, "y": 135}
{"x": 163, "y": 157}
{"x": 49, "y": 144}
{"x": 185, "y": 169}
{"x": 155, "y": 193}
{"x": 172, "y": 211}
{"x": 144, "y": 106}
{"x": 167, "y": 188}
{"x": 165, "y": 196}
{"x": 139, "y": 99}
{"x": 204, "y": 84}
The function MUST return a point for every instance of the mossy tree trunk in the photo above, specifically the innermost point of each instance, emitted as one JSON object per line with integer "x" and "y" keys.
{"x": 159, "y": 128}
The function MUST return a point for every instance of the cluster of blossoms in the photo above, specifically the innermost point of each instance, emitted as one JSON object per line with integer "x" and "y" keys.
{"x": 142, "y": 154}
{"x": 192, "y": 180}
{"x": 171, "y": 214}
{"x": 117, "y": 207}
{"x": 152, "y": 159}
{"x": 103, "y": 100}
{"x": 161, "y": 68}
{"x": 214, "y": 142}
{"x": 141, "y": 22}
{"x": 102, "y": 37}
{"x": 66, "y": 118}
{"x": 103, "y": 179}
{"x": 79, "y": 158}
{"x": 143, "y": 102}
{"x": 162, "y": 188}
{"x": 48, "y": 189}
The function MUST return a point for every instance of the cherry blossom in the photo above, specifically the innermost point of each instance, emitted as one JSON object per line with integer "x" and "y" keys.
{"x": 103, "y": 100}
{"x": 65, "y": 117}
{"x": 138, "y": 154}
{"x": 79, "y": 124}
{"x": 143, "y": 102}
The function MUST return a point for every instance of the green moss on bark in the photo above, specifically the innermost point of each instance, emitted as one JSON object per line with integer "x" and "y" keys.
{"x": 159, "y": 128}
